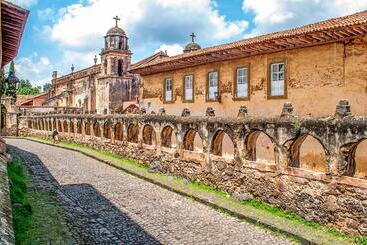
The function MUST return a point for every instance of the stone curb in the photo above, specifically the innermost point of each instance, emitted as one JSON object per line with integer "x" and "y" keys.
{"x": 306, "y": 234}
{"x": 6, "y": 218}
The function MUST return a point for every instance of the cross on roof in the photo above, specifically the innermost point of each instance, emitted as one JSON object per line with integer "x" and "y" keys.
{"x": 117, "y": 19}
{"x": 192, "y": 37}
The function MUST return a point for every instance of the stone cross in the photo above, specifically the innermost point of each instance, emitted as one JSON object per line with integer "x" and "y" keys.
{"x": 192, "y": 37}
{"x": 117, "y": 19}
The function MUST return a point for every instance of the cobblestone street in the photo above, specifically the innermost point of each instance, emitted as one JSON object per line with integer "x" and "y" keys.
{"x": 105, "y": 205}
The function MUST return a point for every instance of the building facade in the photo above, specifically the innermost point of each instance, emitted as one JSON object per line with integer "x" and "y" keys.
{"x": 313, "y": 67}
{"x": 102, "y": 88}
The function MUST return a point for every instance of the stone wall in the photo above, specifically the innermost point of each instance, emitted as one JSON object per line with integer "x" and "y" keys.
{"x": 334, "y": 197}
{"x": 6, "y": 222}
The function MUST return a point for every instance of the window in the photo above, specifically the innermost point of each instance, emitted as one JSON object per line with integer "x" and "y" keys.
{"x": 189, "y": 80}
{"x": 277, "y": 77}
{"x": 212, "y": 85}
{"x": 168, "y": 90}
{"x": 241, "y": 89}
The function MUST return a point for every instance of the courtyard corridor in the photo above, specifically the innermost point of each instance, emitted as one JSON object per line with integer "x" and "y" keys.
{"x": 104, "y": 205}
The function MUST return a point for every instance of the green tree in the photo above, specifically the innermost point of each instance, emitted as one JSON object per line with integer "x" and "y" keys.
{"x": 25, "y": 88}
{"x": 46, "y": 87}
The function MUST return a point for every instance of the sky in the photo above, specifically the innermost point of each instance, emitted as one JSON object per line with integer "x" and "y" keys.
{"x": 60, "y": 33}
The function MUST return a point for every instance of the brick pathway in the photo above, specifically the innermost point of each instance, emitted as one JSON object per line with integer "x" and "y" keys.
{"x": 106, "y": 205}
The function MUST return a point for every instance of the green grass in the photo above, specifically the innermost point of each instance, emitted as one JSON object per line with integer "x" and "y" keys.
{"x": 37, "y": 217}
{"x": 259, "y": 205}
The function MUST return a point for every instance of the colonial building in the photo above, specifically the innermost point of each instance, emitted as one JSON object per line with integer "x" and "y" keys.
{"x": 101, "y": 88}
{"x": 313, "y": 67}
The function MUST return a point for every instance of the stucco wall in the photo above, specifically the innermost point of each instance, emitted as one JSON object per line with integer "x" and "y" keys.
{"x": 317, "y": 77}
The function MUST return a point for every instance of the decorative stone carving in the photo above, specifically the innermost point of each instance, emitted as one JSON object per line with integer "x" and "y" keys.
{"x": 242, "y": 111}
{"x": 143, "y": 110}
{"x": 210, "y": 112}
{"x": 287, "y": 109}
{"x": 162, "y": 111}
{"x": 343, "y": 109}
{"x": 186, "y": 112}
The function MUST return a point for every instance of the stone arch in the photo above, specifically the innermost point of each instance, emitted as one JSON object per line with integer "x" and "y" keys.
{"x": 192, "y": 141}
{"x": 49, "y": 125}
{"x": 30, "y": 124}
{"x": 360, "y": 158}
{"x": 118, "y": 131}
{"x": 87, "y": 129}
{"x": 79, "y": 127}
{"x": 59, "y": 127}
{"x": 307, "y": 152}
{"x": 65, "y": 126}
{"x": 259, "y": 147}
{"x": 133, "y": 133}
{"x": 168, "y": 138}
{"x": 96, "y": 129}
{"x": 71, "y": 127}
{"x": 149, "y": 137}
{"x": 107, "y": 130}
{"x": 222, "y": 144}
{"x": 42, "y": 125}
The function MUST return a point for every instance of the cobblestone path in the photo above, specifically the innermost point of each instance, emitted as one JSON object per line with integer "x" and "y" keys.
{"x": 104, "y": 205}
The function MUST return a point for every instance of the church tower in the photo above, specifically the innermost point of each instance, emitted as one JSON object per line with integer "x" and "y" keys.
{"x": 116, "y": 87}
{"x": 116, "y": 56}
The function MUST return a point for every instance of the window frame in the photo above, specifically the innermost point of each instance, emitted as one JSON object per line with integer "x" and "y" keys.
{"x": 207, "y": 99}
{"x": 164, "y": 91}
{"x": 269, "y": 82}
{"x": 184, "y": 89}
{"x": 235, "y": 97}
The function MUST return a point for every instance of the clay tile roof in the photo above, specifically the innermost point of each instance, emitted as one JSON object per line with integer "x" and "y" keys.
{"x": 155, "y": 57}
{"x": 331, "y": 30}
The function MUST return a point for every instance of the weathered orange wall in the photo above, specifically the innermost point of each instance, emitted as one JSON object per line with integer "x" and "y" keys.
{"x": 318, "y": 77}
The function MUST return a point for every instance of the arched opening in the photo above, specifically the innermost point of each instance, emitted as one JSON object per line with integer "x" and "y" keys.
{"x": 41, "y": 125}
{"x": 3, "y": 117}
{"x": 120, "y": 67}
{"x": 30, "y": 124}
{"x": 260, "y": 147}
{"x": 308, "y": 153}
{"x": 118, "y": 131}
{"x": 107, "y": 130}
{"x": 96, "y": 129}
{"x": 49, "y": 126}
{"x": 87, "y": 128}
{"x": 133, "y": 133}
{"x": 192, "y": 141}
{"x": 360, "y": 158}
{"x": 65, "y": 125}
{"x": 168, "y": 138}
{"x": 148, "y": 135}
{"x": 59, "y": 127}
{"x": 79, "y": 127}
{"x": 71, "y": 127}
{"x": 222, "y": 145}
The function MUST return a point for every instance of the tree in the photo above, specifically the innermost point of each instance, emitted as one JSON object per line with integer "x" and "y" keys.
{"x": 46, "y": 87}
{"x": 25, "y": 88}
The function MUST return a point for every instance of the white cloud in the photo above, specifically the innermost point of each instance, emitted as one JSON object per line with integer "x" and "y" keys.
{"x": 46, "y": 14}
{"x": 172, "y": 50}
{"x": 25, "y": 3}
{"x": 277, "y": 15}
{"x": 35, "y": 68}
{"x": 81, "y": 27}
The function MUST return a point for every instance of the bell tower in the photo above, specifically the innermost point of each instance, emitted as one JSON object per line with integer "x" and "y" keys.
{"x": 115, "y": 56}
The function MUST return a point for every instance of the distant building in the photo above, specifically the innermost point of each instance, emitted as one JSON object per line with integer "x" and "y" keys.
{"x": 313, "y": 67}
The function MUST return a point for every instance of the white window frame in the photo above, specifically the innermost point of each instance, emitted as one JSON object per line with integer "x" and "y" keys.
{"x": 189, "y": 87}
{"x": 277, "y": 79}
{"x": 242, "y": 83}
{"x": 168, "y": 90}
{"x": 212, "y": 85}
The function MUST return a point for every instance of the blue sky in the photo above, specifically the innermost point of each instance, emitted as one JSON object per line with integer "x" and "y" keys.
{"x": 64, "y": 32}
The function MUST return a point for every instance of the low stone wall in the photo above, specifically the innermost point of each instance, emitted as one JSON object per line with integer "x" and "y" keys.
{"x": 6, "y": 228}
{"x": 335, "y": 201}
